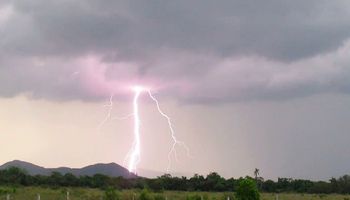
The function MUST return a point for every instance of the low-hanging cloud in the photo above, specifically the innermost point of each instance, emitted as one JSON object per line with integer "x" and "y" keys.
{"x": 194, "y": 51}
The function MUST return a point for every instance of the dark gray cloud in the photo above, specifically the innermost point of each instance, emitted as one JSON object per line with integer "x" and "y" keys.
{"x": 202, "y": 51}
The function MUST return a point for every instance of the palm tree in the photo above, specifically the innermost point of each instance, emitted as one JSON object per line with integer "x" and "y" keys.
{"x": 256, "y": 173}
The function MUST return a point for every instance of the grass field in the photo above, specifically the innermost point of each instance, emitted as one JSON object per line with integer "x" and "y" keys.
{"x": 31, "y": 193}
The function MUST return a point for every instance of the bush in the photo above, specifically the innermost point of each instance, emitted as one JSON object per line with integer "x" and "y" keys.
{"x": 130, "y": 195}
{"x": 145, "y": 195}
{"x": 159, "y": 197}
{"x": 111, "y": 194}
{"x": 227, "y": 195}
{"x": 247, "y": 190}
{"x": 194, "y": 197}
{"x": 5, "y": 191}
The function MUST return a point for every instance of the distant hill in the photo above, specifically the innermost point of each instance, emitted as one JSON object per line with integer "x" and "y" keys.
{"x": 110, "y": 169}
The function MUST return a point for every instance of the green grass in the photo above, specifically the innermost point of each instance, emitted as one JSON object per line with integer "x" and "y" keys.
{"x": 30, "y": 193}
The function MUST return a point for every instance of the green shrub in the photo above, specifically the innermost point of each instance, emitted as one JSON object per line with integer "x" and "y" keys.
{"x": 111, "y": 194}
{"x": 145, "y": 195}
{"x": 128, "y": 195}
{"x": 204, "y": 197}
{"x": 4, "y": 191}
{"x": 159, "y": 197}
{"x": 247, "y": 190}
{"x": 194, "y": 197}
{"x": 230, "y": 195}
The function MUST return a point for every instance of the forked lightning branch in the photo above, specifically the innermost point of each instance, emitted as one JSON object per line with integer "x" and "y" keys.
{"x": 134, "y": 155}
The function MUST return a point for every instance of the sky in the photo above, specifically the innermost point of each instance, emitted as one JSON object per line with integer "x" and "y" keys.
{"x": 247, "y": 84}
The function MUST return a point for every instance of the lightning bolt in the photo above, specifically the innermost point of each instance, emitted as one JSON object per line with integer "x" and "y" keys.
{"x": 109, "y": 113}
{"x": 135, "y": 150}
{"x": 134, "y": 153}
{"x": 175, "y": 140}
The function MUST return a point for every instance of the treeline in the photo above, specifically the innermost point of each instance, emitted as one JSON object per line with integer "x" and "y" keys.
{"x": 212, "y": 182}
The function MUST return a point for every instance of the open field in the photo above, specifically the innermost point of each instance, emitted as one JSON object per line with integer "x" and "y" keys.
{"x": 30, "y": 193}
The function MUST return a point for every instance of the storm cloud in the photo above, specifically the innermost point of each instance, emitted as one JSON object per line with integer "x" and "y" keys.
{"x": 193, "y": 51}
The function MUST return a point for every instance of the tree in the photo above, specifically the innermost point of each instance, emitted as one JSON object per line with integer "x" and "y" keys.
{"x": 256, "y": 173}
{"x": 14, "y": 176}
{"x": 344, "y": 184}
{"x": 269, "y": 186}
{"x": 334, "y": 184}
{"x": 196, "y": 182}
{"x": 100, "y": 180}
{"x": 55, "y": 179}
{"x": 247, "y": 190}
{"x": 70, "y": 180}
{"x": 214, "y": 182}
{"x": 284, "y": 184}
{"x": 155, "y": 184}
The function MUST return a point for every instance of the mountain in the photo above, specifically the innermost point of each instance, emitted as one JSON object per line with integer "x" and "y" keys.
{"x": 110, "y": 169}
{"x": 29, "y": 167}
